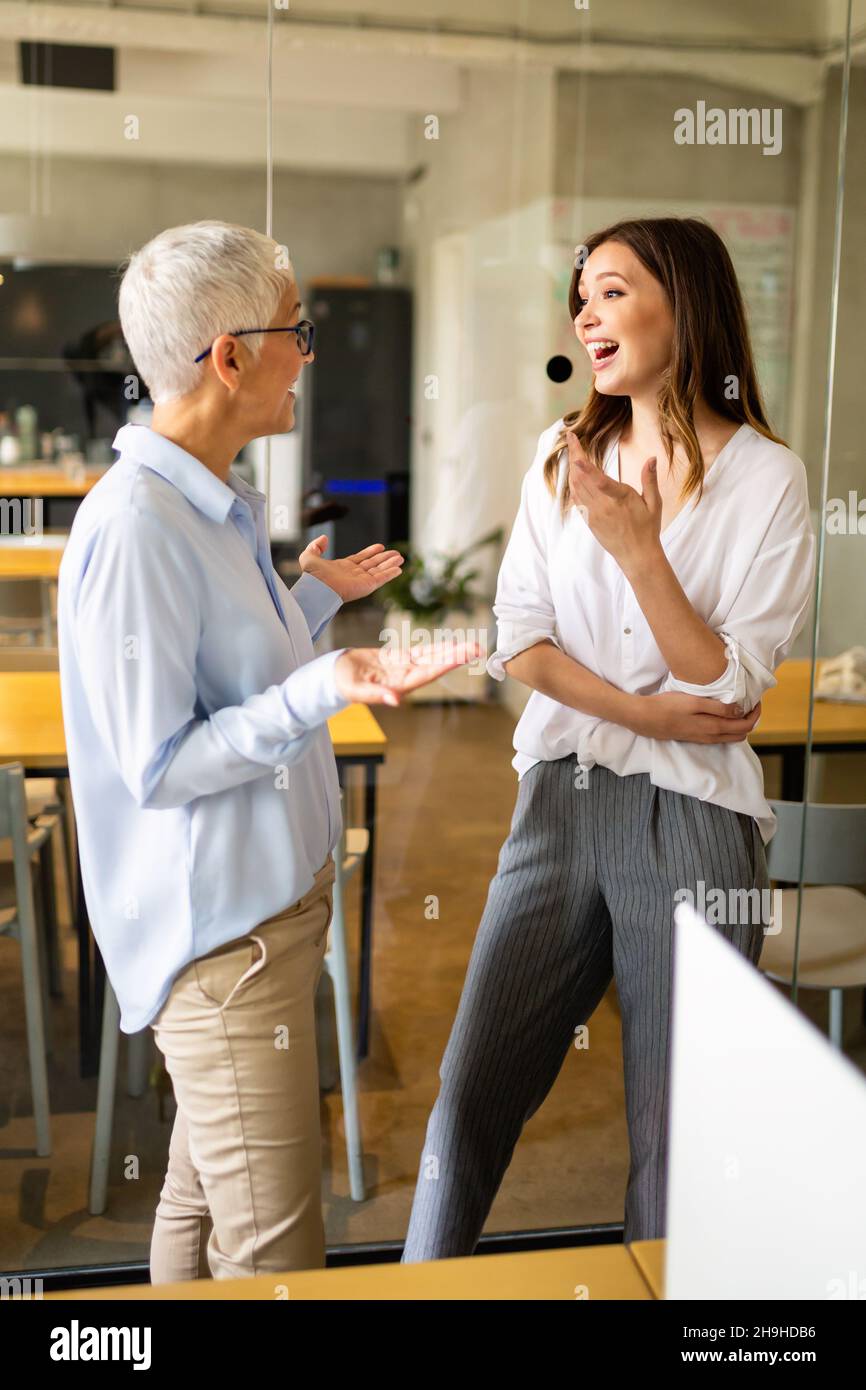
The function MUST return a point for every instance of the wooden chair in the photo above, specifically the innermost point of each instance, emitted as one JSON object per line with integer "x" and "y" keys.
{"x": 18, "y": 919}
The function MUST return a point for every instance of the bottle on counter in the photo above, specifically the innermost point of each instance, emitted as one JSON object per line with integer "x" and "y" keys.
{"x": 28, "y": 433}
{"x": 70, "y": 456}
{"x": 10, "y": 451}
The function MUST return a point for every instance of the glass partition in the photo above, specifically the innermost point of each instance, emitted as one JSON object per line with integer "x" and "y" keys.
{"x": 433, "y": 174}
{"x": 825, "y": 912}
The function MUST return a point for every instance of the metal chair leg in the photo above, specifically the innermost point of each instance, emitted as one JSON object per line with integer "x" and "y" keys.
{"x": 339, "y": 971}
{"x": 837, "y": 1000}
{"x": 41, "y": 932}
{"x": 101, "y": 1154}
{"x": 35, "y": 1005}
{"x": 49, "y": 901}
{"x": 137, "y": 1062}
{"x": 324, "y": 1006}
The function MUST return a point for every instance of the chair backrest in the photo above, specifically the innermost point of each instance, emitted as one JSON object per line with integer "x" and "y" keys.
{"x": 15, "y": 826}
{"x": 21, "y": 598}
{"x": 835, "y": 848}
{"x": 13, "y": 802}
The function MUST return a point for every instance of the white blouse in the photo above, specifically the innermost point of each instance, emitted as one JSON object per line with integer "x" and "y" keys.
{"x": 745, "y": 556}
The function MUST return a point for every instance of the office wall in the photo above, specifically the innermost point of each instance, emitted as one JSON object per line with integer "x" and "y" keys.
{"x": 331, "y": 223}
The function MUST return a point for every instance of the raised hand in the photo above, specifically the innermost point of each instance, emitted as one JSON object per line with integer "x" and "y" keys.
{"x": 627, "y": 523}
{"x": 356, "y": 576}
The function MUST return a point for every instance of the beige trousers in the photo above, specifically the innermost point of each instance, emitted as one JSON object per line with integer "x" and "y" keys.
{"x": 242, "y": 1193}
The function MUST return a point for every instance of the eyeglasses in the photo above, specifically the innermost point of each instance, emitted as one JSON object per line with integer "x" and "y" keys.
{"x": 305, "y": 331}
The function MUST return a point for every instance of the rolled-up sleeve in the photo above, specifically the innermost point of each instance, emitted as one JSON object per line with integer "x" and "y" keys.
{"x": 137, "y": 631}
{"x": 523, "y": 608}
{"x": 770, "y": 606}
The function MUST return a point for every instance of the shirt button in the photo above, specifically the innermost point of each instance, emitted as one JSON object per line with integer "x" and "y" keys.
{"x": 627, "y": 631}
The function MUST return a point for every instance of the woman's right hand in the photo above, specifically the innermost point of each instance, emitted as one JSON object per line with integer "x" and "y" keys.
{"x": 380, "y": 675}
{"x": 691, "y": 718}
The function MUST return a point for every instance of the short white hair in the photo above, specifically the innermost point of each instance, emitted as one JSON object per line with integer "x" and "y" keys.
{"x": 187, "y": 286}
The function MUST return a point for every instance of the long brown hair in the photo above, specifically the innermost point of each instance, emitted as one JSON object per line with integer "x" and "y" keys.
{"x": 710, "y": 345}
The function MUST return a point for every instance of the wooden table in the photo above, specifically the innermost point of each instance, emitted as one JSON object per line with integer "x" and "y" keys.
{"x": 649, "y": 1255}
{"x": 30, "y": 561}
{"x": 836, "y": 727}
{"x": 46, "y": 482}
{"x": 32, "y": 733}
{"x": 594, "y": 1272}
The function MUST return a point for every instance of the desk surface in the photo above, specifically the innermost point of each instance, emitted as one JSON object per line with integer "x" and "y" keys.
{"x": 31, "y": 723}
{"x": 785, "y": 712}
{"x": 47, "y": 481}
{"x": 31, "y": 726}
{"x": 649, "y": 1255}
{"x": 30, "y": 561}
{"x": 588, "y": 1272}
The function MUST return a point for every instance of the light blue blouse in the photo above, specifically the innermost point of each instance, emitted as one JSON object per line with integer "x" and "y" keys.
{"x": 202, "y": 770}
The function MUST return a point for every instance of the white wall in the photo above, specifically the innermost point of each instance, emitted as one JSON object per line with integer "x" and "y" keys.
{"x": 100, "y": 210}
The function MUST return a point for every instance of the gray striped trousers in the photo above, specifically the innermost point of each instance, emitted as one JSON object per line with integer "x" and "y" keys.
{"x": 584, "y": 893}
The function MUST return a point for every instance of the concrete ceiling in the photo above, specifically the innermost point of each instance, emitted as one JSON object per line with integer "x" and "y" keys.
{"x": 350, "y": 87}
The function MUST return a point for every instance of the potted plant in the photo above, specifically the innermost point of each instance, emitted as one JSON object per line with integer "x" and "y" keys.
{"x": 432, "y": 601}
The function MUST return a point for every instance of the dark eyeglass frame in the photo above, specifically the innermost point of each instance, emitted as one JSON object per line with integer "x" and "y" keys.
{"x": 305, "y": 328}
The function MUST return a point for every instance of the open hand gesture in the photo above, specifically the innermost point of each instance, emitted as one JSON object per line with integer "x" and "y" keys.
{"x": 381, "y": 675}
{"x": 356, "y": 576}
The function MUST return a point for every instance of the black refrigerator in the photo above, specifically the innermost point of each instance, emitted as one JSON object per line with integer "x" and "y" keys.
{"x": 356, "y": 411}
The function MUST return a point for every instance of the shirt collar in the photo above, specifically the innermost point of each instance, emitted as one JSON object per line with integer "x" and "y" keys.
{"x": 188, "y": 474}
{"x": 245, "y": 491}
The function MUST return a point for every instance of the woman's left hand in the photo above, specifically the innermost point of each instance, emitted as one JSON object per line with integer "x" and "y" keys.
{"x": 356, "y": 576}
{"x": 626, "y": 522}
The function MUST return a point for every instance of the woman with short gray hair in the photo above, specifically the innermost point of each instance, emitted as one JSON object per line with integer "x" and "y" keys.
{"x": 202, "y": 771}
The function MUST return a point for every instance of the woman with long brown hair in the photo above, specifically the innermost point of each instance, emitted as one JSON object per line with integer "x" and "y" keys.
{"x": 659, "y": 569}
